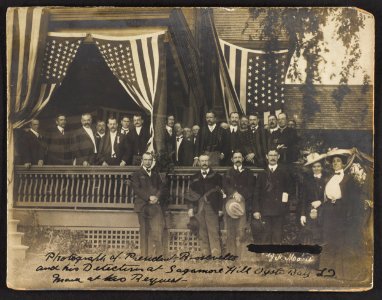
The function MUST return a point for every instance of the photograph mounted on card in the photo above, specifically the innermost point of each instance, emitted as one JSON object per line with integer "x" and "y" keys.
{"x": 190, "y": 148}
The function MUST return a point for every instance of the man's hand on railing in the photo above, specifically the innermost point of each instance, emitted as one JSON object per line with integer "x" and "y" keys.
{"x": 153, "y": 199}
{"x": 190, "y": 212}
{"x": 40, "y": 163}
{"x": 220, "y": 213}
{"x": 85, "y": 163}
{"x": 105, "y": 163}
{"x": 196, "y": 162}
{"x": 123, "y": 163}
{"x": 27, "y": 165}
{"x": 257, "y": 215}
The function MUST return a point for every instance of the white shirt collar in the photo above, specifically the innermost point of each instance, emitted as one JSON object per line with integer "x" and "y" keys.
{"x": 212, "y": 127}
{"x": 168, "y": 128}
{"x": 255, "y": 128}
{"x": 100, "y": 134}
{"x": 34, "y": 132}
{"x": 138, "y": 129}
{"x": 317, "y": 175}
{"x": 273, "y": 168}
{"x": 60, "y": 128}
{"x": 124, "y": 129}
{"x": 113, "y": 133}
{"x": 208, "y": 170}
{"x": 240, "y": 169}
{"x": 232, "y": 127}
{"x": 273, "y": 129}
{"x": 148, "y": 172}
{"x": 179, "y": 137}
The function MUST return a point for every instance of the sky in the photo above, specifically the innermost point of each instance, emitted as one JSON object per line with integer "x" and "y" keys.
{"x": 337, "y": 51}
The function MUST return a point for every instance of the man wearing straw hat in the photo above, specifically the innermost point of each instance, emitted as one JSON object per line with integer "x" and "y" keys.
{"x": 238, "y": 183}
{"x": 312, "y": 198}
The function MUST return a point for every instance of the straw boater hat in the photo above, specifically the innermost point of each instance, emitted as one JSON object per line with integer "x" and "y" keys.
{"x": 234, "y": 208}
{"x": 313, "y": 158}
{"x": 341, "y": 153}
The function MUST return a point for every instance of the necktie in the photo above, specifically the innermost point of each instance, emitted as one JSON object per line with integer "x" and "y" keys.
{"x": 178, "y": 139}
{"x": 272, "y": 170}
{"x": 124, "y": 132}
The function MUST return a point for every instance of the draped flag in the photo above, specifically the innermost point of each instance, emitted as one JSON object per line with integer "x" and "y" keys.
{"x": 59, "y": 53}
{"x": 137, "y": 62}
{"x": 258, "y": 78}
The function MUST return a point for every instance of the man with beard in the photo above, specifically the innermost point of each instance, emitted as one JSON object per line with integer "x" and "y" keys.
{"x": 232, "y": 135}
{"x": 100, "y": 131}
{"x": 84, "y": 142}
{"x": 270, "y": 202}
{"x": 111, "y": 150}
{"x": 238, "y": 183}
{"x": 58, "y": 152}
{"x": 207, "y": 210}
{"x": 149, "y": 190}
{"x": 214, "y": 140}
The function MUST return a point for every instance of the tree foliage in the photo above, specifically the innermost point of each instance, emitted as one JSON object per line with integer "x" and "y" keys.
{"x": 305, "y": 29}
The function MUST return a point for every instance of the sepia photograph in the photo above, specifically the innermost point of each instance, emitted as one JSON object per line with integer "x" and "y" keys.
{"x": 190, "y": 148}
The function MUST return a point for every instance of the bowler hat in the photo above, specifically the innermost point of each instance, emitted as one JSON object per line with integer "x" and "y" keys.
{"x": 234, "y": 208}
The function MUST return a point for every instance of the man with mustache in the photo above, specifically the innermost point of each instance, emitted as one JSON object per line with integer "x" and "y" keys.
{"x": 270, "y": 202}
{"x": 84, "y": 142}
{"x": 238, "y": 183}
{"x": 207, "y": 183}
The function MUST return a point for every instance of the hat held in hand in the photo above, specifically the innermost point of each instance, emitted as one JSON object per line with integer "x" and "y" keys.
{"x": 235, "y": 209}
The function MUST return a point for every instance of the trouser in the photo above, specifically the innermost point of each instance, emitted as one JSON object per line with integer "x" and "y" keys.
{"x": 151, "y": 234}
{"x": 235, "y": 234}
{"x": 273, "y": 229}
{"x": 209, "y": 231}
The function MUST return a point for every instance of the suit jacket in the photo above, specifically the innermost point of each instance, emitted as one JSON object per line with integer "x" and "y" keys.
{"x": 139, "y": 142}
{"x": 83, "y": 147}
{"x": 145, "y": 186}
{"x": 233, "y": 140}
{"x": 269, "y": 189}
{"x": 169, "y": 141}
{"x": 196, "y": 145}
{"x": 32, "y": 148}
{"x": 185, "y": 153}
{"x": 217, "y": 140}
{"x": 59, "y": 152}
{"x": 312, "y": 189}
{"x": 104, "y": 153}
{"x": 98, "y": 139}
{"x": 241, "y": 182}
{"x": 255, "y": 142}
{"x": 288, "y": 137}
{"x": 202, "y": 185}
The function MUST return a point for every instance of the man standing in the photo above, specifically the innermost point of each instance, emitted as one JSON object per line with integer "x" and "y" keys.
{"x": 100, "y": 131}
{"x": 138, "y": 137}
{"x": 169, "y": 135}
{"x": 271, "y": 198}
{"x": 284, "y": 139}
{"x": 195, "y": 138}
{"x": 84, "y": 143}
{"x": 207, "y": 210}
{"x": 125, "y": 125}
{"x": 33, "y": 148}
{"x": 238, "y": 184}
{"x": 183, "y": 149}
{"x": 233, "y": 135}
{"x": 255, "y": 142}
{"x": 58, "y": 152}
{"x": 214, "y": 140}
{"x": 149, "y": 190}
{"x": 111, "y": 150}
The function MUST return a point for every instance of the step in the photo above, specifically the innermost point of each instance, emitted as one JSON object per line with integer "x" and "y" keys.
{"x": 14, "y": 238}
{"x": 12, "y": 225}
{"x": 17, "y": 253}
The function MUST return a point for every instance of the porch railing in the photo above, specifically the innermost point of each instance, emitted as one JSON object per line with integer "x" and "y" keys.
{"x": 91, "y": 187}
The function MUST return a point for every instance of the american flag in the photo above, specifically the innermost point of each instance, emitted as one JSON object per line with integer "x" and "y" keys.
{"x": 257, "y": 77}
{"x": 137, "y": 62}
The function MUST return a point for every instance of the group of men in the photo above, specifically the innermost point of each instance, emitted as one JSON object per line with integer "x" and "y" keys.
{"x": 121, "y": 144}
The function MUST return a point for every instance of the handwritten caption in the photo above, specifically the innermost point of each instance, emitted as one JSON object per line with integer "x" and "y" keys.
{"x": 127, "y": 267}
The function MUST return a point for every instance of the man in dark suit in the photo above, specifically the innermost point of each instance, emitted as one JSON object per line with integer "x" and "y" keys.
{"x": 214, "y": 140}
{"x": 59, "y": 152}
{"x": 83, "y": 143}
{"x": 111, "y": 150}
{"x": 195, "y": 138}
{"x": 33, "y": 147}
{"x": 169, "y": 135}
{"x": 238, "y": 183}
{"x": 254, "y": 142}
{"x": 285, "y": 139}
{"x": 125, "y": 126}
{"x": 138, "y": 137}
{"x": 100, "y": 131}
{"x": 207, "y": 210}
{"x": 183, "y": 149}
{"x": 270, "y": 202}
{"x": 149, "y": 190}
{"x": 232, "y": 136}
